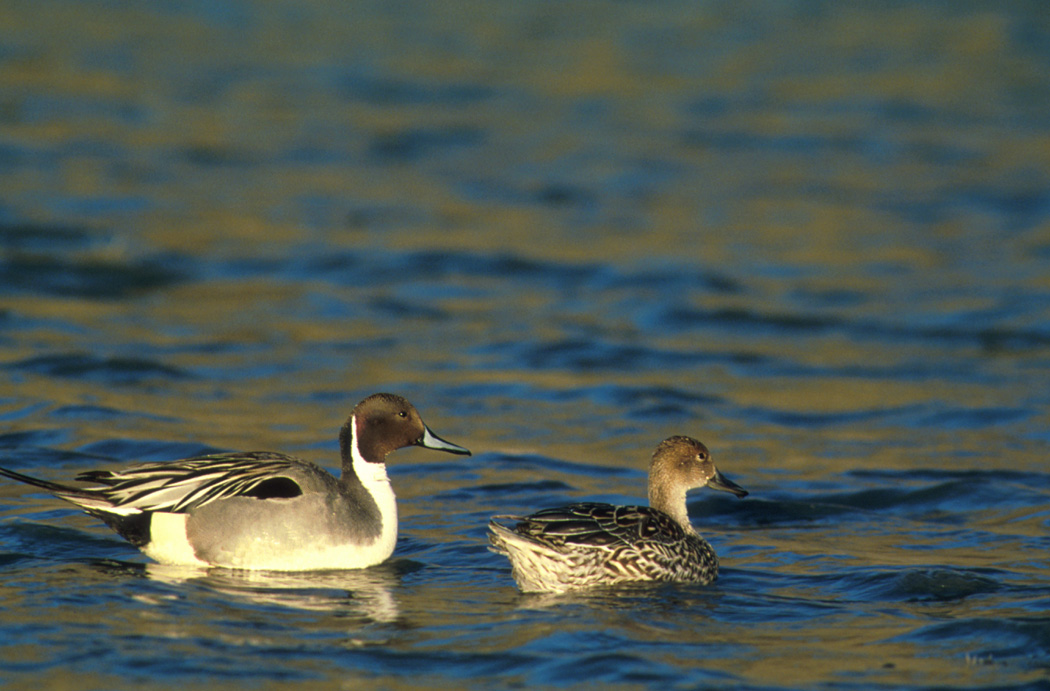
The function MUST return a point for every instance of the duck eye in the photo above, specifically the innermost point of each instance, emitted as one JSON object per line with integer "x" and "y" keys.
{"x": 402, "y": 414}
{"x": 701, "y": 456}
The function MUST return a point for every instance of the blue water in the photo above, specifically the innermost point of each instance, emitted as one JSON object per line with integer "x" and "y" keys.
{"x": 815, "y": 236}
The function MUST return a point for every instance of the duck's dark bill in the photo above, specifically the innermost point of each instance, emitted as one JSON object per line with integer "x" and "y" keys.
{"x": 430, "y": 440}
{"x": 720, "y": 481}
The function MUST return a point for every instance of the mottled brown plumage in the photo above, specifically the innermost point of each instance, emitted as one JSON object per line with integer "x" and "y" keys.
{"x": 590, "y": 544}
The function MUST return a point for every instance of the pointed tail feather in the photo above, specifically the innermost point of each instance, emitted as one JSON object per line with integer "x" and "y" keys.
{"x": 86, "y": 499}
{"x": 52, "y": 487}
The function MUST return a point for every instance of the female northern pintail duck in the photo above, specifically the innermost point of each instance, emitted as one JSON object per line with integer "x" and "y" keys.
{"x": 590, "y": 544}
{"x": 263, "y": 510}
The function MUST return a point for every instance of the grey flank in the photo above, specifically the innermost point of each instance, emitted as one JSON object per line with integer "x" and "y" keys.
{"x": 262, "y": 509}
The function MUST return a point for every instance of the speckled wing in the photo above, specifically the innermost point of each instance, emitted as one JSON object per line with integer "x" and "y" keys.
{"x": 599, "y": 544}
{"x": 600, "y": 525}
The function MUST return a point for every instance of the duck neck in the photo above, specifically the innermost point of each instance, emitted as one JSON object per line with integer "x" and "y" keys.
{"x": 348, "y": 450}
{"x": 372, "y": 495}
{"x": 672, "y": 503}
{"x": 360, "y": 473}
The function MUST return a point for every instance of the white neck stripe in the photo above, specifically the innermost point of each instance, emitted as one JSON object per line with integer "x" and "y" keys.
{"x": 367, "y": 471}
{"x": 376, "y": 482}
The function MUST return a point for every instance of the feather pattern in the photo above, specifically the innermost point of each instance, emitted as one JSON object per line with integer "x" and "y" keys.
{"x": 589, "y": 544}
{"x": 260, "y": 509}
{"x": 600, "y": 544}
{"x": 601, "y": 525}
{"x": 181, "y": 486}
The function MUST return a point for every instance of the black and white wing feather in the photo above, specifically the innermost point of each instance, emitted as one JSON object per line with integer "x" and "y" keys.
{"x": 180, "y": 486}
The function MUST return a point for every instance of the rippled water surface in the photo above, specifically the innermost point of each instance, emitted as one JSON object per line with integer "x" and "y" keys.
{"x": 814, "y": 235}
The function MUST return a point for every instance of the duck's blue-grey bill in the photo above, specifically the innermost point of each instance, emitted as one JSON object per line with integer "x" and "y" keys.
{"x": 430, "y": 440}
{"x": 720, "y": 481}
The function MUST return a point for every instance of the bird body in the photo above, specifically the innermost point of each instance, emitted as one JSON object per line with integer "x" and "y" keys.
{"x": 588, "y": 544}
{"x": 261, "y": 509}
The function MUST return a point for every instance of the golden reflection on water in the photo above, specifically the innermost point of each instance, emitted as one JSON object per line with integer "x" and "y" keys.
{"x": 366, "y": 593}
{"x": 711, "y": 145}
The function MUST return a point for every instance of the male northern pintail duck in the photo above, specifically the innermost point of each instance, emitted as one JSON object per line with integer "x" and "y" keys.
{"x": 590, "y": 544}
{"x": 263, "y": 510}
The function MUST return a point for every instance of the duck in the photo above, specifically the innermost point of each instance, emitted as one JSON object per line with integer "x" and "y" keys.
{"x": 593, "y": 544}
{"x": 262, "y": 510}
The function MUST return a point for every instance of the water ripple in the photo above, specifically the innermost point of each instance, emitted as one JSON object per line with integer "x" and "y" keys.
{"x": 90, "y": 277}
{"x": 116, "y": 370}
{"x": 563, "y": 235}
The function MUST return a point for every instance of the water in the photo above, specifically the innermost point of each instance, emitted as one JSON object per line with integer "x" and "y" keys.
{"x": 815, "y": 236}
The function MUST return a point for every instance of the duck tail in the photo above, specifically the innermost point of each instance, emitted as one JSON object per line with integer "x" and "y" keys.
{"x": 86, "y": 498}
{"x": 52, "y": 487}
